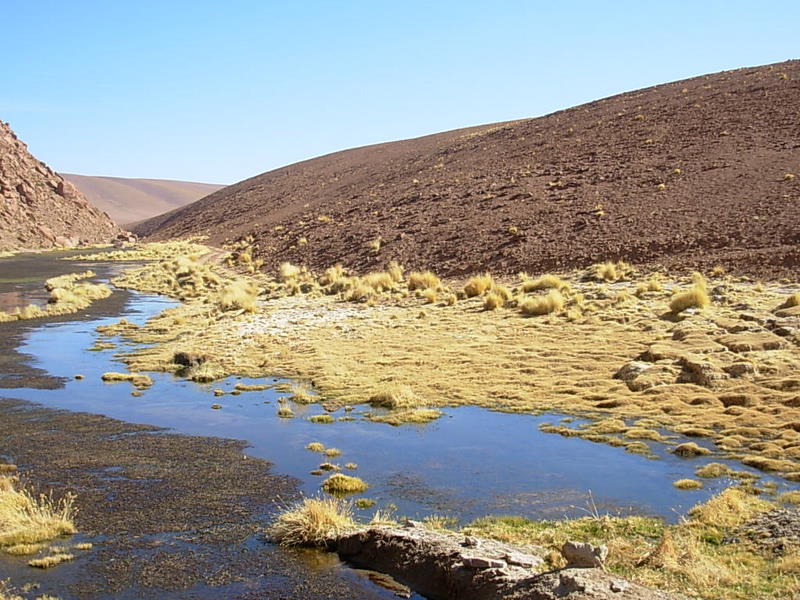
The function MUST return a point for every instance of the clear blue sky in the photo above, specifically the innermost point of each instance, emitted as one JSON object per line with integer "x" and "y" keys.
{"x": 221, "y": 91}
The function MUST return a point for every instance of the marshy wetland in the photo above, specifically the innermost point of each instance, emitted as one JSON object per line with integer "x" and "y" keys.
{"x": 583, "y": 395}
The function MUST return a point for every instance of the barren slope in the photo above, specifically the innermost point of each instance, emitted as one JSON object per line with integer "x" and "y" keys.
{"x": 689, "y": 174}
{"x": 131, "y": 200}
{"x": 38, "y": 208}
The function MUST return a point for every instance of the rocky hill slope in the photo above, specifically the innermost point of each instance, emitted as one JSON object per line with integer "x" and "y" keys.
{"x": 38, "y": 208}
{"x": 129, "y": 200}
{"x": 689, "y": 174}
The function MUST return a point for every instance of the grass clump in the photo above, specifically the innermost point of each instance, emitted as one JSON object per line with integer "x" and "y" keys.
{"x": 793, "y": 300}
{"x": 423, "y": 280}
{"x": 394, "y": 396}
{"x": 339, "y": 483}
{"x": 552, "y": 302}
{"x": 545, "y": 282}
{"x": 416, "y": 416}
{"x": 313, "y": 522}
{"x": 324, "y": 419}
{"x": 712, "y": 470}
{"x": 694, "y": 297}
{"x": 331, "y": 452}
{"x": 493, "y": 301}
{"x": 27, "y": 519}
{"x": 478, "y": 285}
{"x": 238, "y": 295}
{"x": 288, "y": 272}
{"x": 315, "y": 447}
{"x": 285, "y": 411}
{"x": 51, "y": 561}
{"x": 137, "y": 379}
{"x": 688, "y": 449}
{"x": 688, "y": 484}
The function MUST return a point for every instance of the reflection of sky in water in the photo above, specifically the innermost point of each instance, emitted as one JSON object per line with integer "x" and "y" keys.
{"x": 468, "y": 463}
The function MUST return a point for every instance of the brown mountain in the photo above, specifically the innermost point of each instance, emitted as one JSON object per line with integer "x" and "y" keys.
{"x": 38, "y": 208}
{"x": 132, "y": 200}
{"x": 688, "y": 174}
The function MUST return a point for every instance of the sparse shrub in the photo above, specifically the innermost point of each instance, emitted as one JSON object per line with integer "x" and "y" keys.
{"x": 339, "y": 483}
{"x": 478, "y": 285}
{"x": 375, "y": 245}
{"x": 332, "y": 275}
{"x": 313, "y": 522}
{"x": 423, "y": 281}
{"x": 552, "y": 302}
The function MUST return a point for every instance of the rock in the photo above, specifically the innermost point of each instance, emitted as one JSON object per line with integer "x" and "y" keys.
{"x": 481, "y": 562}
{"x": 752, "y": 342}
{"x": 740, "y": 369}
{"x": 583, "y": 555}
{"x": 518, "y": 559}
{"x": 432, "y": 564}
{"x": 640, "y": 376}
{"x": 38, "y": 208}
{"x": 470, "y": 542}
{"x": 701, "y": 371}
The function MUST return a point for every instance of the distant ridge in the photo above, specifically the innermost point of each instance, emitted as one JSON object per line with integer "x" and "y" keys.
{"x": 688, "y": 174}
{"x": 38, "y": 208}
{"x": 129, "y": 200}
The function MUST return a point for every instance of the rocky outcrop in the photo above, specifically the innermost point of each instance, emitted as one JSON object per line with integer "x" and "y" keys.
{"x": 39, "y": 209}
{"x": 448, "y": 566}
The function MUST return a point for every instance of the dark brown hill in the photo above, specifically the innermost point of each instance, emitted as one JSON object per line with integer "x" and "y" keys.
{"x": 128, "y": 200}
{"x": 687, "y": 174}
{"x": 38, "y": 208}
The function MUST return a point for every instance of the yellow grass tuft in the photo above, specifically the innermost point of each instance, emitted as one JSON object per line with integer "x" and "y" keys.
{"x": 137, "y": 379}
{"x": 315, "y": 447}
{"x": 493, "y": 301}
{"x": 239, "y": 295}
{"x": 50, "y": 561}
{"x": 687, "y": 484}
{"x": 478, "y": 285}
{"x": 552, "y": 302}
{"x": 395, "y": 271}
{"x": 394, "y": 396}
{"x": 287, "y": 271}
{"x": 793, "y": 300}
{"x": 430, "y": 295}
{"x": 694, "y": 297}
{"x": 545, "y": 282}
{"x": 423, "y": 281}
{"x": 26, "y": 519}
{"x": 339, "y": 483}
{"x": 313, "y": 522}
{"x": 711, "y": 470}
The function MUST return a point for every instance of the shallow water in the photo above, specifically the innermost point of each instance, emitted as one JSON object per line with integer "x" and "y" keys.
{"x": 469, "y": 463}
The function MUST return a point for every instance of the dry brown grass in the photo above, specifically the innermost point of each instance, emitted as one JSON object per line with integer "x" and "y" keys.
{"x": 239, "y": 295}
{"x": 28, "y": 519}
{"x": 53, "y": 560}
{"x": 313, "y": 522}
{"x": 545, "y": 282}
{"x": 694, "y": 297}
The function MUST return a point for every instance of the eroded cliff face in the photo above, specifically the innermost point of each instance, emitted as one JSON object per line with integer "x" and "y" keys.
{"x": 39, "y": 208}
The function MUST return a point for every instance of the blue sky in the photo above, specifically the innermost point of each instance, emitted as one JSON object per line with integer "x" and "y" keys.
{"x": 222, "y": 91}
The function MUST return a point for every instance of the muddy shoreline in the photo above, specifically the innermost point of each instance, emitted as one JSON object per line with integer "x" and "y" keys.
{"x": 169, "y": 515}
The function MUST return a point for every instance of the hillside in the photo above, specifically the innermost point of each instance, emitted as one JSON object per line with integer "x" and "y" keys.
{"x": 688, "y": 174}
{"x": 38, "y": 208}
{"x": 131, "y": 200}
